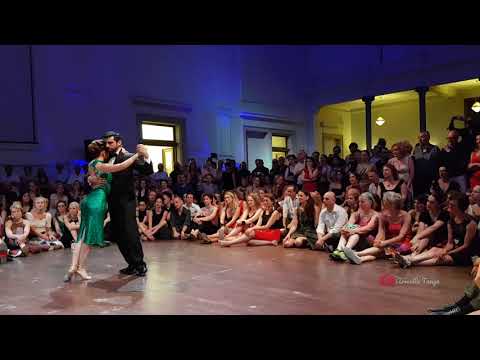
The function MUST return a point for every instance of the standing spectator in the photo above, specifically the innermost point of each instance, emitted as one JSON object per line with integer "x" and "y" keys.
{"x": 260, "y": 170}
{"x": 299, "y": 166}
{"x": 332, "y": 219}
{"x": 77, "y": 175}
{"x": 180, "y": 220}
{"x": 335, "y": 160}
{"x": 404, "y": 164}
{"x": 181, "y": 187}
{"x": 337, "y": 186}
{"x": 42, "y": 181}
{"x": 350, "y": 158}
{"x": 362, "y": 170}
{"x": 316, "y": 156}
{"x": 308, "y": 176}
{"x": 391, "y": 182}
{"x": 256, "y": 186}
{"x": 61, "y": 175}
{"x": 193, "y": 175}
{"x": 455, "y": 158}
{"x": 77, "y": 193}
{"x": 160, "y": 174}
{"x": 59, "y": 195}
{"x": 278, "y": 187}
{"x": 425, "y": 157}
{"x": 243, "y": 172}
{"x": 324, "y": 172}
{"x": 210, "y": 168}
{"x": 276, "y": 170}
{"x": 9, "y": 176}
{"x": 444, "y": 184}
{"x": 164, "y": 187}
{"x": 177, "y": 170}
{"x": 474, "y": 165}
{"x": 290, "y": 170}
{"x": 466, "y": 132}
{"x": 354, "y": 183}
{"x": 27, "y": 175}
{"x": 229, "y": 176}
{"x": 207, "y": 186}
{"x": 33, "y": 190}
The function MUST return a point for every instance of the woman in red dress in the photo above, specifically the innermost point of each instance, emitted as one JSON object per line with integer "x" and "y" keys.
{"x": 309, "y": 176}
{"x": 474, "y": 165}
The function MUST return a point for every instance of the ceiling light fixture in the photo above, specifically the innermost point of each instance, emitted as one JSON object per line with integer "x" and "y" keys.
{"x": 380, "y": 121}
{"x": 476, "y": 107}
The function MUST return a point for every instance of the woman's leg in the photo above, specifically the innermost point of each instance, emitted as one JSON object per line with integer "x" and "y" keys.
{"x": 81, "y": 270}
{"x": 237, "y": 230}
{"x": 341, "y": 243}
{"x": 255, "y": 242}
{"x": 75, "y": 248}
{"x": 352, "y": 241}
{"x": 238, "y": 240}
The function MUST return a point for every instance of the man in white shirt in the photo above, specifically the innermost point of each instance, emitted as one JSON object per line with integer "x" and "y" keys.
{"x": 332, "y": 219}
{"x": 190, "y": 205}
{"x": 374, "y": 180}
{"x": 290, "y": 205}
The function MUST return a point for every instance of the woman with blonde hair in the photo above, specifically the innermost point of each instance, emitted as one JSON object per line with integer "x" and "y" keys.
{"x": 229, "y": 215}
{"x": 250, "y": 216}
{"x": 16, "y": 231}
{"x": 41, "y": 233}
{"x": 403, "y": 162}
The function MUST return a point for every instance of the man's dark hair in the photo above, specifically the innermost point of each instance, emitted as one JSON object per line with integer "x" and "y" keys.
{"x": 116, "y": 135}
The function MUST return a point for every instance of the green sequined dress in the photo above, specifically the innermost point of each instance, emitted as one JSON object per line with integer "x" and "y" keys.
{"x": 94, "y": 208}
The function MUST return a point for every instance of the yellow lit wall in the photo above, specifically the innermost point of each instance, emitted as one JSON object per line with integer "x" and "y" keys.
{"x": 401, "y": 121}
{"x": 334, "y": 122}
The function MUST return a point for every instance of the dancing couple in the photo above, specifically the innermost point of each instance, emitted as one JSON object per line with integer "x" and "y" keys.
{"x": 110, "y": 174}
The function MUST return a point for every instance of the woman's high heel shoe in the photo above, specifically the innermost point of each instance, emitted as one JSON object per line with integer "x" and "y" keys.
{"x": 69, "y": 275}
{"x": 83, "y": 274}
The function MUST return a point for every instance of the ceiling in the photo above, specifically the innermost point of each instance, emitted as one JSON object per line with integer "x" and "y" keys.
{"x": 467, "y": 88}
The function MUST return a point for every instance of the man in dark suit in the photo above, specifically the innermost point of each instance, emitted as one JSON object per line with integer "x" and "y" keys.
{"x": 122, "y": 204}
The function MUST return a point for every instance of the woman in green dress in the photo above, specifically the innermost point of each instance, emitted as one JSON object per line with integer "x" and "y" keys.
{"x": 302, "y": 232}
{"x": 93, "y": 208}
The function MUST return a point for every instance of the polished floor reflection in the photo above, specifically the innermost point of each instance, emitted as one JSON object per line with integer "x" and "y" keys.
{"x": 189, "y": 278}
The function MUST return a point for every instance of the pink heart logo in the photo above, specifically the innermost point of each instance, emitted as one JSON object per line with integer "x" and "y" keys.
{"x": 387, "y": 280}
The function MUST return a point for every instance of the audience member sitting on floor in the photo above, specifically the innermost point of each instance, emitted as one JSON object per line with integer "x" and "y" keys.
{"x": 302, "y": 232}
{"x": 206, "y": 222}
{"x": 190, "y": 205}
{"x": 419, "y": 207}
{"x": 164, "y": 187}
{"x": 152, "y": 197}
{"x": 61, "y": 231}
{"x": 72, "y": 220}
{"x": 250, "y": 215}
{"x": 462, "y": 243}
{"x": 374, "y": 182}
{"x": 142, "y": 220}
{"x": 432, "y": 229}
{"x": 231, "y": 211}
{"x": 41, "y": 233}
{"x": 290, "y": 204}
{"x": 180, "y": 219}
{"x": 393, "y": 232}
{"x": 332, "y": 219}
{"x": 351, "y": 201}
{"x": 337, "y": 186}
{"x": 318, "y": 203}
{"x": 268, "y": 229}
{"x": 16, "y": 231}
{"x": 158, "y": 227}
{"x": 76, "y": 194}
{"x": 361, "y": 229}
{"x": 167, "y": 201}
{"x": 354, "y": 182}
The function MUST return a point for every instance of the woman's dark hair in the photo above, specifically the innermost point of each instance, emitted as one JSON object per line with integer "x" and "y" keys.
{"x": 393, "y": 170}
{"x": 309, "y": 206}
{"x": 210, "y": 196}
{"x": 167, "y": 194}
{"x": 422, "y": 199}
{"x": 96, "y": 147}
{"x": 314, "y": 165}
{"x": 460, "y": 198}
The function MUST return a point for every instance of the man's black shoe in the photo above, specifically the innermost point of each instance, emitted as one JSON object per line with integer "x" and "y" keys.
{"x": 130, "y": 270}
{"x": 141, "y": 270}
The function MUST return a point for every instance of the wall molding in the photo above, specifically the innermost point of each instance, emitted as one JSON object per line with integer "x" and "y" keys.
{"x": 166, "y": 105}
{"x": 266, "y": 118}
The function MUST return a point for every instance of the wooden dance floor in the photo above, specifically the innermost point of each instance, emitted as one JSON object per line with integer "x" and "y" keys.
{"x": 189, "y": 278}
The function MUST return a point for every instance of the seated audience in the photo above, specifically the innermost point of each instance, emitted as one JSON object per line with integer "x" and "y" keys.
{"x": 392, "y": 183}
{"x": 267, "y": 231}
{"x": 443, "y": 185}
{"x": 252, "y": 211}
{"x": 160, "y": 174}
{"x": 180, "y": 220}
{"x": 206, "y": 222}
{"x": 207, "y": 186}
{"x": 158, "y": 226}
{"x": 61, "y": 231}
{"x": 337, "y": 186}
{"x": 393, "y": 232}
{"x": 142, "y": 218}
{"x": 361, "y": 229}
{"x": 229, "y": 215}
{"x": 72, "y": 220}
{"x": 76, "y": 194}
{"x": 302, "y": 232}
{"x": 463, "y": 242}
{"x": 432, "y": 229}
{"x": 59, "y": 195}
{"x": 16, "y": 232}
{"x": 419, "y": 207}
{"x": 332, "y": 219}
{"x": 351, "y": 201}
{"x": 41, "y": 233}
{"x": 289, "y": 205}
